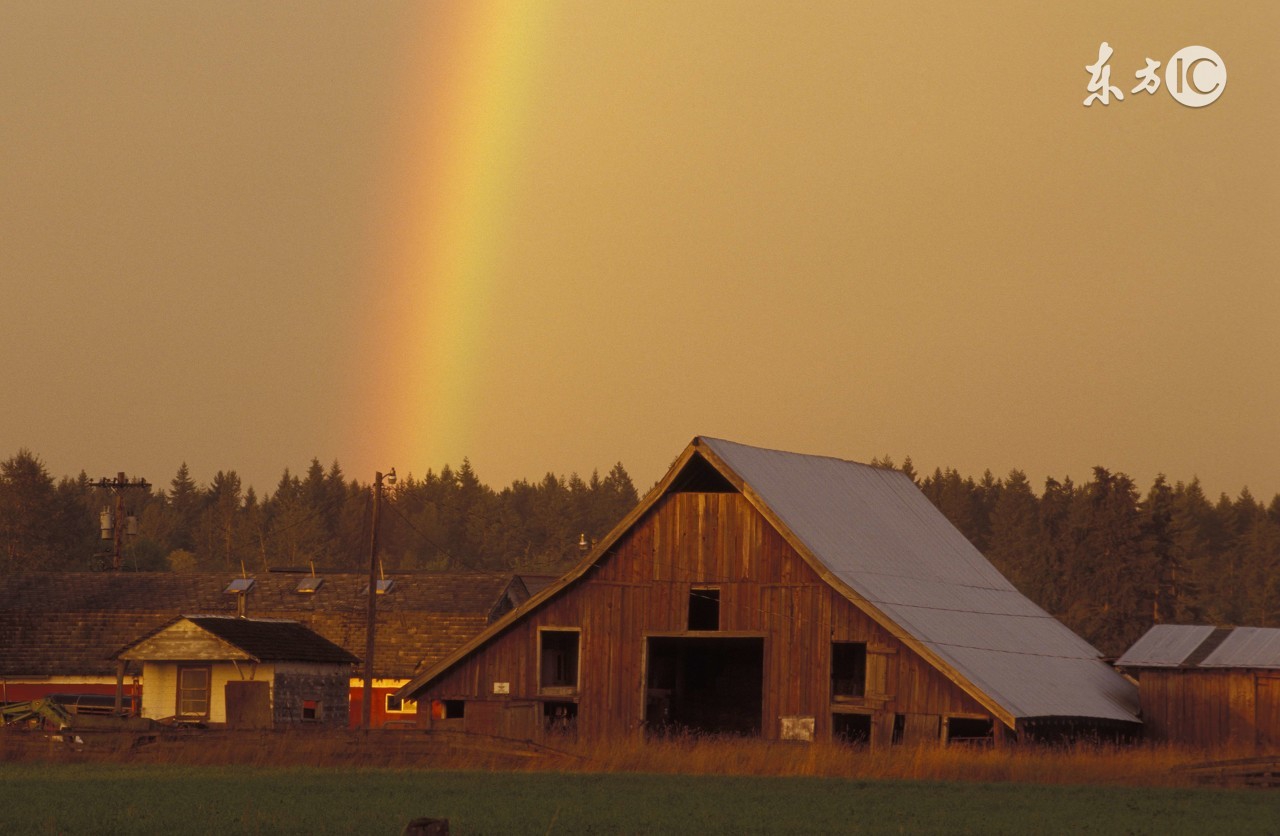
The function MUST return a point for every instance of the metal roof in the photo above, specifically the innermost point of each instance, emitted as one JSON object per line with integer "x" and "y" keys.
{"x": 1247, "y": 647}
{"x": 1164, "y": 646}
{"x": 1199, "y": 646}
{"x": 878, "y": 534}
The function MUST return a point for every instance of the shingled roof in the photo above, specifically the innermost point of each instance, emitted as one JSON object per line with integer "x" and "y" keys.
{"x": 70, "y": 624}
{"x": 258, "y": 639}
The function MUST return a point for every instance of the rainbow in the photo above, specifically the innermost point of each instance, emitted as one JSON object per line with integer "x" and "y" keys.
{"x": 466, "y": 89}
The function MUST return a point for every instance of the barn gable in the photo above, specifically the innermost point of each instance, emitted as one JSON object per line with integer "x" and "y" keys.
{"x": 802, "y": 554}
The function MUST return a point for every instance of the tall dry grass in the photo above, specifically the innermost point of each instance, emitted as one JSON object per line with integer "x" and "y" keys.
{"x": 1146, "y": 765}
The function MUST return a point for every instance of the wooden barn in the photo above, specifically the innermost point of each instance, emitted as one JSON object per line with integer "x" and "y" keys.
{"x": 58, "y": 631}
{"x": 782, "y": 595}
{"x": 1215, "y": 687}
{"x": 244, "y": 673}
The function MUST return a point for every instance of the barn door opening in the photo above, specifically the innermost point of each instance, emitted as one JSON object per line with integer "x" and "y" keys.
{"x": 709, "y": 685}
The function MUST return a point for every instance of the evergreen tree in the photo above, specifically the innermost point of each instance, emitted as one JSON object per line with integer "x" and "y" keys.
{"x": 1014, "y": 546}
{"x": 28, "y": 506}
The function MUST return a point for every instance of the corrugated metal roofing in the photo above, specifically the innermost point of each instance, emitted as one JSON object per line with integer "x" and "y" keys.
{"x": 1247, "y": 647}
{"x": 877, "y": 533}
{"x": 1199, "y": 646}
{"x": 1164, "y": 646}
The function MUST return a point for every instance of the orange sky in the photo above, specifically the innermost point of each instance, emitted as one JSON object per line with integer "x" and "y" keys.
{"x": 845, "y": 228}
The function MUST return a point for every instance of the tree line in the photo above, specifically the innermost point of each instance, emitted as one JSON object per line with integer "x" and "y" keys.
{"x": 1104, "y": 557}
{"x": 1109, "y": 560}
{"x": 444, "y": 521}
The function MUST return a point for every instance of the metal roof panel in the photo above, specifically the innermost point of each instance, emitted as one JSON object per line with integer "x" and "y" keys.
{"x": 877, "y": 533}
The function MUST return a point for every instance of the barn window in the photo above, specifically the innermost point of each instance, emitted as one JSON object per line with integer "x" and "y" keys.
{"x": 978, "y": 731}
{"x": 311, "y": 710}
{"x": 704, "y": 608}
{"x": 448, "y": 709}
{"x": 193, "y": 692}
{"x": 396, "y": 705}
{"x": 851, "y": 728}
{"x": 848, "y": 669}
{"x": 558, "y": 659}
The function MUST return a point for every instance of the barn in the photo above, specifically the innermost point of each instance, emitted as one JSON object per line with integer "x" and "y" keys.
{"x": 244, "y": 673}
{"x": 1211, "y": 687}
{"x": 785, "y": 596}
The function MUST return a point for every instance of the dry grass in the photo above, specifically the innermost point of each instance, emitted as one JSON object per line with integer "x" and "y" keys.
{"x": 1105, "y": 765}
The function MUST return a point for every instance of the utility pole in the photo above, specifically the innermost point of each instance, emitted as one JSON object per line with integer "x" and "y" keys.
{"x": 115, "y": 530}
{"x": 366, "y": 710}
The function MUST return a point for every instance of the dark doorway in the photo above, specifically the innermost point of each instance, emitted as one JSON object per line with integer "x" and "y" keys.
{"x": 710, "y": 685}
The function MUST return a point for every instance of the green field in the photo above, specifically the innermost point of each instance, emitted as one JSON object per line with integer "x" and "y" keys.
{"x": 89, "y": 798}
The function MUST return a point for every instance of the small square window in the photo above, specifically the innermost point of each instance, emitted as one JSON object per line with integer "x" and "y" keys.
{"x": 560, "y": 718}
{"x": 311, "y": 710}
{"x": 448, "y": 709}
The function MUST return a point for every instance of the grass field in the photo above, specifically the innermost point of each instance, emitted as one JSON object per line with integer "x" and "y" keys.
{"x": 225, "y": 783}
{"x": 43, "y": 797}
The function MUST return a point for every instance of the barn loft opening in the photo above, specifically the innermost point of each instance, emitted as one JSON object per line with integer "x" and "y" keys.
{"x": 558, "y": 663}
{"x": 698, "y": 476}
{"x": 704, "y": 608}
{"x": 708, "y": 685}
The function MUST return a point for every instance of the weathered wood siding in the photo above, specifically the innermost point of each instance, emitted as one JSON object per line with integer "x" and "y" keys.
{"x": 642, "y": 587}
{"x": 1211, "y": 708}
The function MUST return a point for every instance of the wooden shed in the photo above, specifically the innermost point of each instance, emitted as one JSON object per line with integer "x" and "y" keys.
{"x": 787, "y": 596}
{"x": 1214, "y": 687}
{"x": 251, "y": 673}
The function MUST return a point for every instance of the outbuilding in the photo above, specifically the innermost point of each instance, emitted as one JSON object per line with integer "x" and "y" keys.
{"x": 58, "y": 630}
{"x": 787, "y": 596}
{"x": 1213, "y": 687}
{"x": 246, "y": 673}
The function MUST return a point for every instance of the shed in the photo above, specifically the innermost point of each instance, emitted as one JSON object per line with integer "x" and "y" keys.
{"x": 58, "y": 630}
{"x": 1208, "y": 686}
{"x": 789, "y": 596}
{"x": 242, "y": 673}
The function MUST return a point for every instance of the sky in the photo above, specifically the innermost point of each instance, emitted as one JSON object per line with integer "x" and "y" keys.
{"x": 553, "y": 236}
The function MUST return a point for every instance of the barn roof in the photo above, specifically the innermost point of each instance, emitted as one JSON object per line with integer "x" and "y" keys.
{"x": 873, "y": 535}
{"x": 55, "y": 624}
{"x": 259, "y": 639}
{"x": 1197, "y": 646}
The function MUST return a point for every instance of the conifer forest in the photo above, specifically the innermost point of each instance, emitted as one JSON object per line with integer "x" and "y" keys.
{"x": 1106, "y": 557}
